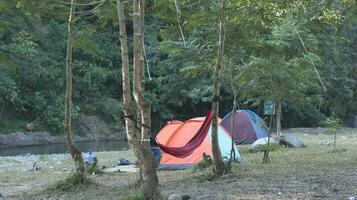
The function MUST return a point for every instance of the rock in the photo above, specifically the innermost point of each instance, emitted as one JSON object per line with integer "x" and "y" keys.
{"x": 95, "y": 128}
{"x": 325, "y": 143}
{"x": 351, "y": 198}
{"x": 2, "y": 197}
{"x": 335, "y": 187}
{"x": 91, "y": 127}
{"x": 175, "y": 197}
{"x": 344, "y": 137}
{"x": 186, "y": 196}
{"x": 27, "y": 139}
{"x": 290, "y": 141}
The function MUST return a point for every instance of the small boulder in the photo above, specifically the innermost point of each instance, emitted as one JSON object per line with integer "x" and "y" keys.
{"x": 186, "y": 197}
{"x": 325, "y": 143}
{"x": 290, "y": 141}
{"x": 175, "y": 197}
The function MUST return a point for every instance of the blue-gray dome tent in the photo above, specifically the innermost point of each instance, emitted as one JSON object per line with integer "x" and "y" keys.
{"x": 248, "y": 126}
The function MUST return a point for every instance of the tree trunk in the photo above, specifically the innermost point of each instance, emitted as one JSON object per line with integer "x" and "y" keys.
{"x": 131, "y": 132}
{"x": 75, "y": 153}
{"x": 233, "y": 125}
{"x": 140, "y": 143}
{"x": 234, "y": 110}
{"x": 267, "y": 150}
{"x": 278, "y": 119}
{"x": 217, "y": 157}
{"x": 334, "y": 141}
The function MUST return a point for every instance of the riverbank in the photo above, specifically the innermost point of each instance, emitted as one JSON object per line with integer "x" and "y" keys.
{"x": 18, "y": 139}
{"x": 314, "y": 172}
{"x": 86, "y": 128}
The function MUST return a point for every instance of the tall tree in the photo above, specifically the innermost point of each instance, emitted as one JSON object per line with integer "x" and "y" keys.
{"x": 75, "y": 153}
{"x": 217, "y": 157}
{"x": 139, "y": 139}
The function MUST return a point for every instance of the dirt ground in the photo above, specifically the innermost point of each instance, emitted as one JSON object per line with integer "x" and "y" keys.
{"x": 313, "y": 172}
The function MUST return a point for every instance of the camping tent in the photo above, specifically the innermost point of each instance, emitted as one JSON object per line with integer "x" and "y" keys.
{"x": 248, "y": 126}
{"x": 177, "y": 134}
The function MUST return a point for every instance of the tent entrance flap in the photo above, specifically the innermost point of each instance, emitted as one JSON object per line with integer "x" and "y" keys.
{"x": 196, "y": 141}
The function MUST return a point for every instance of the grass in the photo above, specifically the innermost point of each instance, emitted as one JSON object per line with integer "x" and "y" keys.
{"x": 314, "y": 172}
{"x": 73, "y": 181}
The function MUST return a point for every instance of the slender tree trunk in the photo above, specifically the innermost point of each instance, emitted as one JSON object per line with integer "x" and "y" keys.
{"x": 233, "y": 126}
{"x": 142, "y": 149}
{"x": 75, "y": 153}
{"x": 278, "y": 119}
{"x": 334, "y": 141}
{"x": 217, "y": 157}
{"x": 131, "y": 130}
{"x": 267, "y": 151}
{"x": 127, "y": 110}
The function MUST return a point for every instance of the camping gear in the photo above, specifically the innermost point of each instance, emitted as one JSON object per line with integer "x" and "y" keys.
{"x": 89, "y": 157}
{"x": 123, "y": 161}
{"x": 248, "y": 126}
{"x": 197, "y": 139}
{"x": 290, "y": 141}
{"x": 178, "y": 134}
{"x": 156, "y": 152}
{"x": 260, "y": 142}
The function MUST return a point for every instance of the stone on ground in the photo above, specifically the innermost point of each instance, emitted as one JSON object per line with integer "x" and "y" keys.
{"x": 290, "y": 141}
{"x": 175, "y": 197}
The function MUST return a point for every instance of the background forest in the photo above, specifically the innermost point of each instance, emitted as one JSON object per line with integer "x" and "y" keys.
{"x": 271, "y": 50}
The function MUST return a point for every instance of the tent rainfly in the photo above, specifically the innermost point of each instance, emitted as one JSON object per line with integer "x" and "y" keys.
{"x": 178, "y": 133}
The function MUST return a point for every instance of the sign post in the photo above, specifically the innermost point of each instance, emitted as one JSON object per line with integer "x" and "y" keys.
{"x": 269, "y": 108}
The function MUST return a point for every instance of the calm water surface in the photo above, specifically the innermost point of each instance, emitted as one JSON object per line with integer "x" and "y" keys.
{"x": 62, "y": 148}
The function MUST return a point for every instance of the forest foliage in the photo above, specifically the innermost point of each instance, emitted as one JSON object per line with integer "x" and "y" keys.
{"x": 262, "y": 43}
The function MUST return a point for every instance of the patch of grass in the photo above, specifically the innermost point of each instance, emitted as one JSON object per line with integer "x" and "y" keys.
{"x": 265, "y": 147}
{"x": 205, "y": 176}
{"x": 134, "y": 197}
{"x": 203, "y": 164}
{"x": 73, "y": 181}
{"x": 338, "y": 150}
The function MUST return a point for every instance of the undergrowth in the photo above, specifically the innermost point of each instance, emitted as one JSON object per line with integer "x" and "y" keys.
{"x": 203, "y": 164}
{"x": 73, "y": 181}
{"x": 266, "y": 147}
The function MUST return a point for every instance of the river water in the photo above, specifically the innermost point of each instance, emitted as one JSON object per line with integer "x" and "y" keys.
{"x": 62, "y": 148}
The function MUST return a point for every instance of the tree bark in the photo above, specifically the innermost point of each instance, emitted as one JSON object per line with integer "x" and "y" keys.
{"x": 234, "y": 110}
{"x": 233, "y": 125}
{"x": 138, "y": 140}
{"x": 75, "y": 153}
{"x": 217, "y": 157}
{"x": 278, "y": 119}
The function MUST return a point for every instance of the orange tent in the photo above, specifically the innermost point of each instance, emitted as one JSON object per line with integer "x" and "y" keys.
{"x": 178, "y": 133}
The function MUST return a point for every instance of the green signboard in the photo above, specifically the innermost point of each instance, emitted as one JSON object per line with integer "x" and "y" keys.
{"x": 269, "y": 108}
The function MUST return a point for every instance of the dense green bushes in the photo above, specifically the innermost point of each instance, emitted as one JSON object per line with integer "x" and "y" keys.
{"x": 259, "y": 35}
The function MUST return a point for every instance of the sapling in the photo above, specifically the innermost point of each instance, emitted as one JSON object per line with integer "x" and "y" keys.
{"x": 333, "y": 126}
